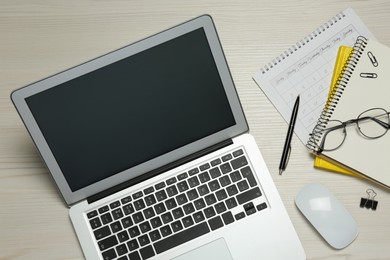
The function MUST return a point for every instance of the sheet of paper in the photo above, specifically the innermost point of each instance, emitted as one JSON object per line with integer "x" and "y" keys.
{"x": 306, "y": 69}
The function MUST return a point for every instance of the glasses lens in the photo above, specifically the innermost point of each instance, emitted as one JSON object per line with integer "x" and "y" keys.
{"x": 371, "y": 123}
{"x": 334, "y": 135}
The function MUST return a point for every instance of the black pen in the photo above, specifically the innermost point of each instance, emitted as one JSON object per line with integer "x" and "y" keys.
{"x": 287, "y": 143}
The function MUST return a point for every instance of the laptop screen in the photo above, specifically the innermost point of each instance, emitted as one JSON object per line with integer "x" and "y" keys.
{"x": 133, "y": 110}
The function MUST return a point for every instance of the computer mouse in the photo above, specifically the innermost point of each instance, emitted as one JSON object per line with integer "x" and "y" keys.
{"x": 328, "y": 216}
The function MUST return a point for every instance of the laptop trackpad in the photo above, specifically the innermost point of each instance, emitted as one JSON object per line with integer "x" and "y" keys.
{"x": 211, "y": 251}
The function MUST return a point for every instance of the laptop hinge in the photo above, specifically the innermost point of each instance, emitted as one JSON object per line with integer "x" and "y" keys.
{"x": 158, "y": 171}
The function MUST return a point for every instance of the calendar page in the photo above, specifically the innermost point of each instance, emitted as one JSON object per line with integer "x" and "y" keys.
{"x": 306, "y": 70}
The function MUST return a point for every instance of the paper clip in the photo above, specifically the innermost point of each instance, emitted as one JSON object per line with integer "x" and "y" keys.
{"x": 369, "y": 202}
{"x": 368, "y": 75}
{"x": 372, "y": 59}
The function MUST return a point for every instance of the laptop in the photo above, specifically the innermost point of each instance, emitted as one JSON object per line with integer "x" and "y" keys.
{"x": 150, "y": 149}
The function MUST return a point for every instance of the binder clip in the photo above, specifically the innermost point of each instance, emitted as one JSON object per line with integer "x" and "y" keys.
{"x": 369, "y": 202}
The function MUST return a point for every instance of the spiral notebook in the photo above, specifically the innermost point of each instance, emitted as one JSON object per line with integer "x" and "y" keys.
{"x": 306, "y": 69}
{"x": 363, "y": 84}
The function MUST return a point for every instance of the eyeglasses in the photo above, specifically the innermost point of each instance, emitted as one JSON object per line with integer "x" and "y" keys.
{"x": 372, "y": 123}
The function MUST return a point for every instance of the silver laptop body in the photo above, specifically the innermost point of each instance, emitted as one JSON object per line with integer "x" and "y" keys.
{"x": 150, "y": 149}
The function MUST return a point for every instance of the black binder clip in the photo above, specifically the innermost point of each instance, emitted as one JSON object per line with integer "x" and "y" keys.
{"x": 369, "y": 202}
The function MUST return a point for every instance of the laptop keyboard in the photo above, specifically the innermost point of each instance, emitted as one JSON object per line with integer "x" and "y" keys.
{"x": 178, "y": 209}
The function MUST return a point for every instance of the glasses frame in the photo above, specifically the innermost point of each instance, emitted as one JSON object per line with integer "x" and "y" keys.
{"x": 343, "y": 125}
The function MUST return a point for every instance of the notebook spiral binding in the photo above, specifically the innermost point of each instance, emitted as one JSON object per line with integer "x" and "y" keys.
{"x": 302, "y": 42}
{"x": 335, "y": 95}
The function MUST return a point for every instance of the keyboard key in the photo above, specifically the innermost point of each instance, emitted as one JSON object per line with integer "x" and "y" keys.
{"x": 128, "y": 209}
{"x": 248, "y": 174}
{"x": 232, "y": 190}
{"x": 121, "y": 249}
{"x": 214, "y": 185}
{"x": 92, "y": 214}
{"x": 170, "y": 204}
{"x": 231, "y": 203}
{"x": 148, "y": 213}
{"x": 154, "y": 235}
{"x": 199, "y": 204}
{"x": 238, "y": 153}
{"x": 249, "y": 208}
{"x": 181, "y": 199}
{"x": 134, "y": 231}
{"x": 172, "y": 191}
{"x": 127, "y": 222}
{"x": 132, "y": 245}
{"x": 109, "y": 254}
{"x": 159, "y": 208}
{"x": 145, "y": 227}
{"x": 117, "y": 213}
{"x": 239, "y": 216}
{"x": 210, "y": 199}
{"x": 171, "y": 181}
{"x": 261, "y": 206}
{"x": 187, "y": 221}
{"x": 134, "y": 256}
{"x": 159, "y": 186}
{"x": 123, "y": 236}
{"x": 115, "y": 204}
{"x": 116, "y": 226}
{"x": 126, "y": 200}
{"x": 161, "y": 195}
{"x": 143, "y": 240}
{"x": 165, "y": 230}
{"x": 150, "y": 200}
{"x": 147, "y": 252}
{"x": 138, "y": 217}
{"x": 193, "y": 181}
{"x": 239, "y": 162}
{"x": 225, "y": 181}
{"x": 103, "y": 209}
{"x": 215, "y": 173}
{"x": 137, "y": 195}
{"x": 182, "y": 186}
{"x": 181, "y": 237}
{"x": 182, "y": 176}
{"x": 203, "y": 190}
{"x": 248, "y": 195}
{"x": 156, "y": 222}
{"x": 148, "y": 190}
{"x": 220, "y": 207}
{"x": 95, "y": 223}
{"x": 226, "y": 157}
{"x": 192, "y": 194}
{"x": 139, "y": 204}
{"x": 166, "y": 217}
{"x": 198, "y": 216}
{"x": 176, "y": 226}
{"x": 107, "y": 242}
{"x": 227, "y": 218}
{"x": 188, "y": 208}
{"x": 243, "y": 185}
{"x": 215, "y": 162}
{"x": 204, "y": 167}
{"x": 204, "y": 177}
{"x": 215, "y": 223}
{"x": 106, "y": 218}
{"x": 177, "y": 213}
{"x": 235, "y": 176}
{"x": 209, "y": 212}
{"x": 102, "y": 232}
{"x": 193, "y": 171}
{"x": 225, "y": 168}
{"x": 123, "y": 258}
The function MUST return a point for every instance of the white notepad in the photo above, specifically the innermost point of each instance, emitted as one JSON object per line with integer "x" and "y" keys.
{"x": 306, "y": 69}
